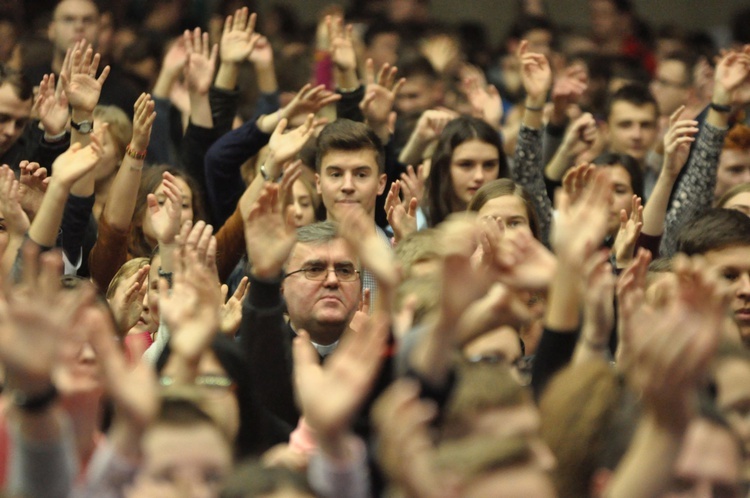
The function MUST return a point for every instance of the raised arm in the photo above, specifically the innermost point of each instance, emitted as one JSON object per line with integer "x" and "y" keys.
{"x": 237, "y": 43}
{"x": 380, "y": 95}
{"x": 68, "y": 169}
{"x": 695, "y": 191}
{"x": 15, "y": 222}
{"x": 673, "y": 344}
{"x": 118, "y": 211}
{"x": 429, "y": 127}
{"x": 677, "y": 142}
{"x": 528, "y": 168}
{"x": 199, "y": 74}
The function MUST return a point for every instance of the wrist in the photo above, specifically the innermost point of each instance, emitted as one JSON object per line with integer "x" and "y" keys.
{"x": 53, "y": 136}
{"x": 78, "y": 115}
{"x": 721, "y": 96}
{"x": 534, "y": 103}
{"x": 136, "y": 150}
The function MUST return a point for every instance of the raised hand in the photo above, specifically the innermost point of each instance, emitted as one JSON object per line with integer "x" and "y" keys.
{"x": 270, "y": 234}
{"x": 581, "y": 226}
{"x": 308, "y": 100}
{"x": 165, "y": 213}
{"x": 380, "y": 94}
{"x": 51, "y": 105}
{"x": 627, "y": 235}
{"x": 75, "y": 162}
{"x": 231, "y": 310}
{"x": 79, "y": 80}
{"x": 331, "y": 394}
{"x": 576, "y": 179}
{"x": 201, "y": 61}
{"x": 286, "y": 145}
{"x": 674, "y": 340}
{"x": 401, "y": 215}
{"x": 485, "y": 100}
{"x": 191, "y": 308}
{"x": 127, "y": 301}
{"x": 598, "y": 302}
{"x": 677, "y": 140}
{"x": 412, "y": 183}
{"x": 16, "y": 221}
{"x": 143, "y": 120}
{"x": 567, "y": 91}
{"x": 521, "y": 262}
{"x": 631, "y": 290}
{"x": 33, "y": 185}
{"x": 358, "y": 229}
{"x": 239, "y": 38}
{"x": 731, "y": 72}
{"x": 432, "y": 123}
{"x": 31, "y": 342}
{"x": 341, "y": 44}
{"x": 536, "y": 73}
{"x": 262, "y": 54}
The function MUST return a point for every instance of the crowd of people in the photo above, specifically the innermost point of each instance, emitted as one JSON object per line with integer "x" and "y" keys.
{"x": 245, "y": 257}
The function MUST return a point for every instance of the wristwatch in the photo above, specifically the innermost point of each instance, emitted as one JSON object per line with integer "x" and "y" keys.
{"x": 84, "y": 127}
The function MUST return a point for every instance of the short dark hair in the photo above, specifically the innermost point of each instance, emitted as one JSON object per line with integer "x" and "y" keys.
{"x": 635, "y": 94}
{"x": 629, "y": 163}
{"x": 253, "y": 479}
{"x": 17, "y": 80}
{"x": 379, "y": 26}
{"x": 416, "y": 65}
{"x": 523, "y": 25}
{"x": 717, "y": 229}
{"x": 348, "y": 135}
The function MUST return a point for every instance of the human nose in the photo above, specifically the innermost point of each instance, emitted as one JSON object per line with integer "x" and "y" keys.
{"x": 743, "y": 290}
{"x": 331, "y": 280}
{"x": 8, "y": 128}
{"x": 478, "y": 173}
{"x": 347, "y": 184}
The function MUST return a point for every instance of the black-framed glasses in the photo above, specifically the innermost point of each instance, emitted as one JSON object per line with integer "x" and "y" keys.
{"x": 345, "y": 272}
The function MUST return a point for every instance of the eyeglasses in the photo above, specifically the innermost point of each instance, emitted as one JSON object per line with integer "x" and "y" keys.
{"x": 670, "y": 84}
{"x": 212, "y": 384}
{"x": 345, "y": 272}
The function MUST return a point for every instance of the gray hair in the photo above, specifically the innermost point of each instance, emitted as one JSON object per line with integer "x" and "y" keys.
{"x": 321, "y": 232}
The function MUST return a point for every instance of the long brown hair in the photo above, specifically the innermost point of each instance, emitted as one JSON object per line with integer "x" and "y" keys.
{"x": 502, "y": 187}
{"x": 138, "y": 245}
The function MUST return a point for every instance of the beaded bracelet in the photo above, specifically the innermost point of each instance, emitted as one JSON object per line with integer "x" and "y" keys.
{"x": 138, "y": 155}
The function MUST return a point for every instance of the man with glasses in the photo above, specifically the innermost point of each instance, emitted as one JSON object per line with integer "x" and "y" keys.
{"x": 308, "y": 274}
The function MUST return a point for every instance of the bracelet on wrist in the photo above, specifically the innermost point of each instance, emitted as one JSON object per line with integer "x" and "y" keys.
{"x": 167, "y": 275}
{"x": 268, "y": 177}
{"x": 34, "y": 403}
{"x": 720, "y": 107}
{"x": 138, "y": 155}
{"x": 54, "y": 138}
{"x": 534, "y": 109}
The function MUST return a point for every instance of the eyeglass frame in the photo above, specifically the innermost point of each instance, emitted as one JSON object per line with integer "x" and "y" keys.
{"x": 328, "y": 270}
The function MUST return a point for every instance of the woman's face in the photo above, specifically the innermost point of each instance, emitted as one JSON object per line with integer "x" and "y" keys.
{"x": 78, "y": 372}
{"x": 111, "y": 156}
{"x": 510, "y": 213}
{"x": 473, "y": 164}
{"x": 187, "y": 206}
{"x": 622, "y": 196}
{"x": 304, "y": 208}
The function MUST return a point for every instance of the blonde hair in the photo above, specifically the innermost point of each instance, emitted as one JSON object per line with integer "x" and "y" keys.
{"x": 120, "y": 127}
{"x": 126, "y": 270}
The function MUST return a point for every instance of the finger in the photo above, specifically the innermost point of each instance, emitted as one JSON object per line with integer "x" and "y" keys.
{"x": 369, "y": 72}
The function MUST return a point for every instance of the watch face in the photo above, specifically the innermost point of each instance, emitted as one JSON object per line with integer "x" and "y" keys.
{"x": 84, "y": 126}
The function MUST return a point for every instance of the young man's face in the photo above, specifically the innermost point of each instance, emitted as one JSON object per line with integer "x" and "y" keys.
{"x": 733, "y": 264}
{"x": 417, "y": 95}
{"x": 322, "y": 307}
{"x": 14, "y": 115}
{"x": 72, "y": 21}
{"x": 348, "y": 178}
{"x": 632, "y": 128}
{"x": 708, "y": 464}
{"x": 734, "y": 168}
{"x": 733, "y": 395}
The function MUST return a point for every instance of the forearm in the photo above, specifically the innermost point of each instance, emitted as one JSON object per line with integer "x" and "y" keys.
{"x": 646, "y": 469}
{"x": 123, "y": 194}
{"x": 559, "y": 164}
{"x": 335, "y": 475}
{"x": 265, "y": 75}
{"x": 564, "y": 298}
{"x": 163, "y": 85}
{"x": 10, "y": 255}
{"x": 46, "y": 224}
{"x": 200, "y": 110}
{"x": 226, "y": 76}
{"x": 528, "y": 172}
{"x": 656, "y": 208}
{"x": 413, "y": 151}
{"x": 74, "y": 224}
